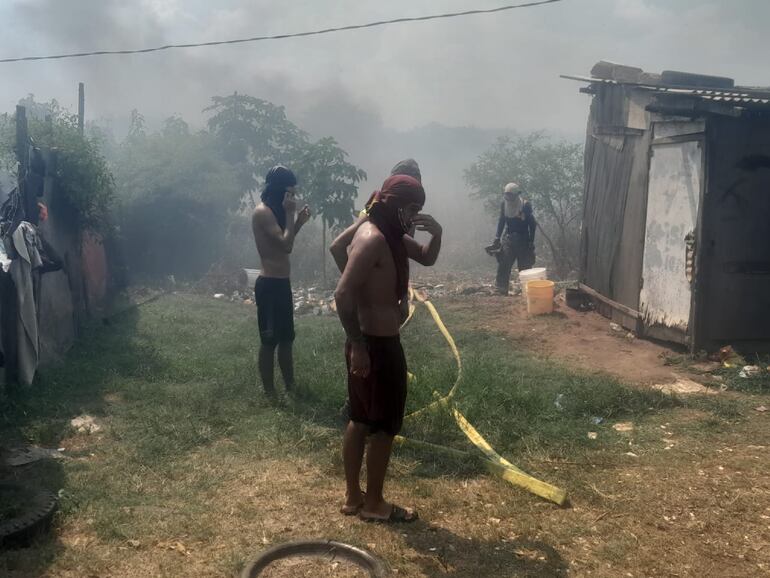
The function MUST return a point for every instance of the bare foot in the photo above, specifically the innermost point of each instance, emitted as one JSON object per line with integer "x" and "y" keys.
{"x": 353, "y": 504}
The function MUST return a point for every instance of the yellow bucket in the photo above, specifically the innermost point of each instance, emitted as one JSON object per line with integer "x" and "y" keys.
{"x": 540, "y": 297}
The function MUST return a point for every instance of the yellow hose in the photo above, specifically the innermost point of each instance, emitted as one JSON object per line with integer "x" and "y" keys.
{"x": 493, "y": 462}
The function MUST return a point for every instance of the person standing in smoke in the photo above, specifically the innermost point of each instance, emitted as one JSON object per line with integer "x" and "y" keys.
{"x": 339, "y": 247}
{"x": 373, "y": 284}
{"x": 515, "y": 239}
{"x": 275, "y": 223}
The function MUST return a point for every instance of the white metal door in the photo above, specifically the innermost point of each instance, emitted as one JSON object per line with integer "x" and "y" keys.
{"x": 672, "y": 214}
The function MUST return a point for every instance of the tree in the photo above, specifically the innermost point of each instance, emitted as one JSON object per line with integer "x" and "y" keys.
{"x": 551, "y": 176}
{"x": 83, "y": 178}
{"x": 329, "y": 183}
{"x": 176, "y": 196}
{"x": 255, "y": 135}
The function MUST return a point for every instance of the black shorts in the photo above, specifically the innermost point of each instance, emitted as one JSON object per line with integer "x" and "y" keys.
{"x": 275, "y": 310}
{"x": 379, "y": 399}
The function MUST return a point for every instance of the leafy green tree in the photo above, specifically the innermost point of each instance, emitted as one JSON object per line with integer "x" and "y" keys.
{"x": 176, "y": 194}
{"x": 83, "y": 176}
{"x": 329, "y": 184}
{"x": 255, "y": 135}
{"x": 551, "y": 176}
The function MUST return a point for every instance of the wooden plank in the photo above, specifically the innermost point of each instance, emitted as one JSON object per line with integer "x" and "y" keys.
{"x": 22, "y": 140}
{"x": 81, "y": 107}
{"x": 617, "y": 131}
{"x": 614, "y": 304}
{"x": 664, "y": 140}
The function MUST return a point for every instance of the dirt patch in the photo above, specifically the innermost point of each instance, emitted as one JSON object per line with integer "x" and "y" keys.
{"x": 583, "y": 341}
{"x": 308, "y": 568}
{"x": 683, "y": 386}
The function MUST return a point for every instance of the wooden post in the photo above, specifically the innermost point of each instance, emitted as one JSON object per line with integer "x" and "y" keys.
{"x": 22, "y": 140}
{"x": 81, "y": 107}
{"x": 323, "y": 249}
{"x": 28, "y": 199}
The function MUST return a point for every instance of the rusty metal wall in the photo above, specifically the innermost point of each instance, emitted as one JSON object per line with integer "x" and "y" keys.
{"x": 734, "y": 280}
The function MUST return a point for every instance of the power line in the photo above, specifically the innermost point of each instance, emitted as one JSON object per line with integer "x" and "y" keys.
{"x": 281, "y": 36}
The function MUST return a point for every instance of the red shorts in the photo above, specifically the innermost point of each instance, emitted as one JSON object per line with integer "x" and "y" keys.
{"x": 379, "y": 399}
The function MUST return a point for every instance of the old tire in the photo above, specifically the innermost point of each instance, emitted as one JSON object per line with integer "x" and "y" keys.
{"x": 34, "y": 516}
{"x": 316, "y": 549}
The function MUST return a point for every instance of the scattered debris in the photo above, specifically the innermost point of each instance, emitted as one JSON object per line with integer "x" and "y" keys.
{"x": 314, "y": 301}
{"x": 596, "y": 420}
{"x": 473, "y": 290}
{"x": 616, "y": 328}
{"x": 28, "y": 454}
{"x": 683, "y": 386}
{"x": 219, "y": 295}
{"x": 577, "y": 300}
{"x": 728, "y": 357}
{"x": 557, "y": 402}
{"x": 705, "y": 366}
{"x": 592, "y": 435}
{"x": 625, "y": 426}
{"x": 749, "y": 371}
{"x": 85, "y": 424}
{"x": 175, "y": 546}
{"x": 761, "y": 409}
{"x": 632, "y": 454}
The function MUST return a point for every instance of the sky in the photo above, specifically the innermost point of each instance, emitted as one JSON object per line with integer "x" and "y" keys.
{"x": 496, "y": 71}
{"x": 384, "y": 93}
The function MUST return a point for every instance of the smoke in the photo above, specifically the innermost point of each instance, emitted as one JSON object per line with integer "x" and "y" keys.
{"x": 499, "y": 71}
{"x": 383, "y": 93}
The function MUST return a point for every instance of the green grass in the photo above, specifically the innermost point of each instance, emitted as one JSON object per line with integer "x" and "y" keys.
{"x": 184, "y": 369}
{"x": 759, "y": 383}
{"x": 181, "y": 377}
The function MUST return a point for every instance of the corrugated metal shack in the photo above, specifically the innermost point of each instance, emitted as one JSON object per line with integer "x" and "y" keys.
{"x": 676, "y": 226}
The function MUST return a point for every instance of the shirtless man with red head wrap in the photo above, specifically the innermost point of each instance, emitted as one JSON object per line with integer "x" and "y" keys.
{"x": 369, "y": 300}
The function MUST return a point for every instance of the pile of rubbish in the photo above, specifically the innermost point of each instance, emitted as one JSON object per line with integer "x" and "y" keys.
{"x": 307, "y": 300}
{"x": 727, "y": 357}
{"x": 314, "y": 301}
{"x": 237, "y": 285}
{"x": 244, "y": 297}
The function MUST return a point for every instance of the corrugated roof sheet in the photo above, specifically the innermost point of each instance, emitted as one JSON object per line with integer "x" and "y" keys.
{"x": 739, "y": 95}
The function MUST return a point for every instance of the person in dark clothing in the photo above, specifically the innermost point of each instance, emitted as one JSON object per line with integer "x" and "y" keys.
{"x": 514, "y": 242}
{"x": 275, "y": 223}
